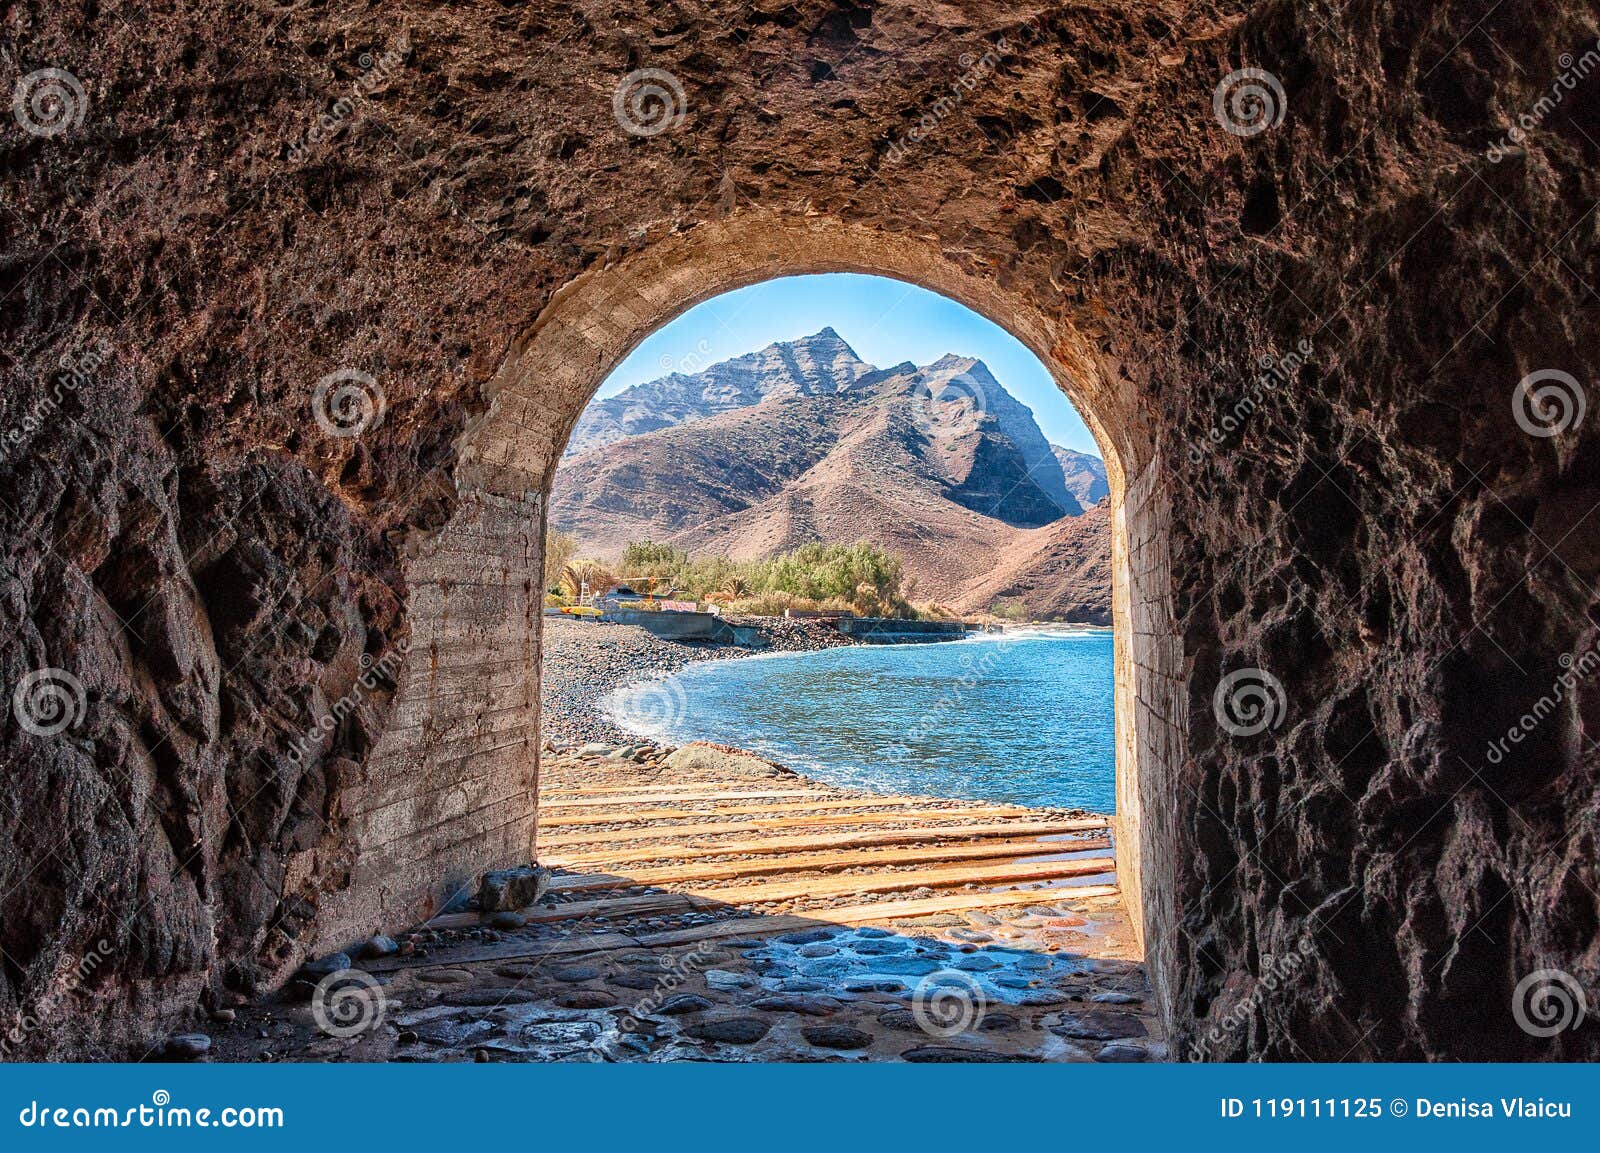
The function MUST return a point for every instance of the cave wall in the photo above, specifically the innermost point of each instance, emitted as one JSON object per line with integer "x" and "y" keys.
{"x": 257, "y": 201}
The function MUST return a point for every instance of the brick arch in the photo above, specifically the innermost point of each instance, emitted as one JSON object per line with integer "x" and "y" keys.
{"x": 477, "y": 590}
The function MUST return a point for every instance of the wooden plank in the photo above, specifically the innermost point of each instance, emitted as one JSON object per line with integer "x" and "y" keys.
{"x": 634, "y": 906}
{"x": 646, "y": 832}
{"x": 611, "y": 857}
{"x": 643, "y": 906}
{"x": 672, "y": 797}
{"x": 799, "y": 862}
{"x": 510, "y": 951}
{"x": 910, "y": 806}
{"x": 882, "y": 911}
{"x": 670, "y": 786}
{"x": 927, "y": 906}
{"x": 721, "y": 930}
{"x": 1000, "y": 873}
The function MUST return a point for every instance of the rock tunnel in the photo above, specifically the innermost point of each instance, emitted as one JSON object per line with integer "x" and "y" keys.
{"x": 301, "y": 303}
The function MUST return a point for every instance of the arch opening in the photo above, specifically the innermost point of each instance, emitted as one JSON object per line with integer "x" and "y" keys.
{"x": 477, "y": 584}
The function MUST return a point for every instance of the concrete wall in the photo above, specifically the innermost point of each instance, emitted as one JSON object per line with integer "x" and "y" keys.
{"x": 451, "y": 786}
{"x": 1151, "y": 713}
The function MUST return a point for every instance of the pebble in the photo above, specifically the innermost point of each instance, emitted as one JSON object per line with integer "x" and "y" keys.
{"x": 724, "y": 979}
{"x": 1097, "y": 1026}
{"x": 187, "y": 1046}
{"x": 792, "y": 1003}
{"x": 971, "y": 935}
{"x": 977, "y": 963}
{"x": 731, "y": 1030}
{"x": 957, "y": 1054}
{"x": 586, "y": 999}
{"x": 380, "y": 946}
{"x": 1119, "y": 1052}
{"x": 575, "y": 973}
{"x": 492, "y": 998}
{"x": 636, "y": 980}
{"x": 836, "y": 1037}
{"x": 322, "y": 966}
{"x": 809, "y": 936}
{"x": 445, "y": 976}
{"x": 1116, "y": 999}
{"x": 508, "y": 919}
{"x": 818, "y": 950}
{"x": 681, "y": 1003}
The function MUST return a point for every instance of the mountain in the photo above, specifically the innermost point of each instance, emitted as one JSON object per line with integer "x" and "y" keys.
{"x": 803, "y": 441}
{"x": 822, "y": 364}
{"x": 1085, "y": 475}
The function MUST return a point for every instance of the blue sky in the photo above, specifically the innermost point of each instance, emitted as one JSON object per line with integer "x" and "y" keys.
{"x": 885, "y": 321}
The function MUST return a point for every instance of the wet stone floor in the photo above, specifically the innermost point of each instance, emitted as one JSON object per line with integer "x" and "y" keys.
{"x": 974, "y": 986}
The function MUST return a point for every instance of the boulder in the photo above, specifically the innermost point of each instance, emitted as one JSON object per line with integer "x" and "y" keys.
{"x": 512, "y": 889}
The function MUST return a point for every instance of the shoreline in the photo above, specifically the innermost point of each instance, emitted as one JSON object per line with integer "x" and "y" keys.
{"x": 586, "y": 661}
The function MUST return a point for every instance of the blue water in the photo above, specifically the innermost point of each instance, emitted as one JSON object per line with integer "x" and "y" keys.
{"x": 1024, "y": 719}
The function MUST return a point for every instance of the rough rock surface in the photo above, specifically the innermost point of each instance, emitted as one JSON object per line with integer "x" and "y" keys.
{"x": 254, "y": 200}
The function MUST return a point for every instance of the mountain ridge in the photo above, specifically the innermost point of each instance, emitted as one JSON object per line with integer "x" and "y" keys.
{"x": 804, "y": 441}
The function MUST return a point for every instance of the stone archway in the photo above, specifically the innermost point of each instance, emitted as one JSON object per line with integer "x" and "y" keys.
{"x": 476, "y": 585}
{"x": 1375, "y": 529}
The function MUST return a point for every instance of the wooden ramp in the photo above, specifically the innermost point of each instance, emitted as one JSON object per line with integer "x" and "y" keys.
{"x": 633, "y": 857}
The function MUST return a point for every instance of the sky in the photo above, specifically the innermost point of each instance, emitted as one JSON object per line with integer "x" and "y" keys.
{"x": 885, "y": 321}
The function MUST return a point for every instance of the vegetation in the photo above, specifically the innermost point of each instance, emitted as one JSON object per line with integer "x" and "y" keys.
{"x": 560, "y": 548}
{"x": 1013, "y": 609}
{"x": 859, "y": 578}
